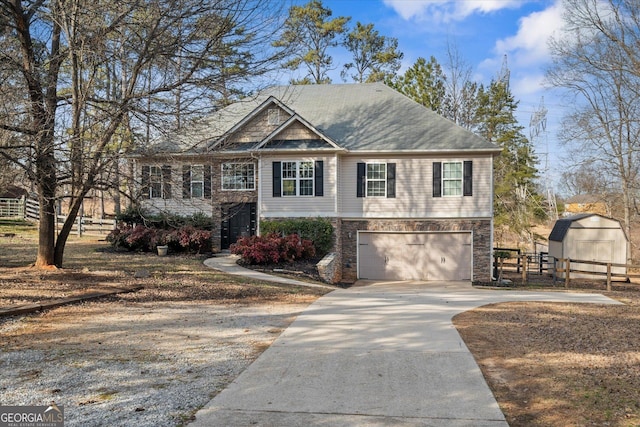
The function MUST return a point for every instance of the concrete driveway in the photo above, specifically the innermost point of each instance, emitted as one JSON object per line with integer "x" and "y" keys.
{"x": 375, "y": 355}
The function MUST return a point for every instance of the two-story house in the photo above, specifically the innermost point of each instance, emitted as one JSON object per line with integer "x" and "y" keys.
{"x": 409, "y": 192}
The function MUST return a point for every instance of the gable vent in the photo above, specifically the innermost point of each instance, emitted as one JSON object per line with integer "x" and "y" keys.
{"x": 273, "y": 116}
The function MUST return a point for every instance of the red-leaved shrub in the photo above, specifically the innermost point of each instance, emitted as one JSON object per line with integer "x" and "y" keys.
{"x": 146, "y": 239}
{"x": 273, "y": 249}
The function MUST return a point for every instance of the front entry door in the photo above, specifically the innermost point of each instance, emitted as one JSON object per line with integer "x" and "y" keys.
{"x": 238, "y": 220}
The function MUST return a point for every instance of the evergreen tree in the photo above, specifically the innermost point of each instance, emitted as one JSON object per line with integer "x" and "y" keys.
{"x": 374, "y": 56}
{"x": 516, "y": 201}
{"x": 424, "y": 82}
{"x": 308, "y": 34}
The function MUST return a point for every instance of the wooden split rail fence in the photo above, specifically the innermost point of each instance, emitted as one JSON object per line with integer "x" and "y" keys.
{"x": 566, "y": 266}
{"x": 29, "y": 209}
{"x": 565, "y": 270}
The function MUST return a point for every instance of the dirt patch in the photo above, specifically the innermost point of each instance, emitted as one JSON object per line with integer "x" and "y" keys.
{"x": 552, "y": 364}
{"x": 144, "y": 364}
{"x": 299, "y": 270}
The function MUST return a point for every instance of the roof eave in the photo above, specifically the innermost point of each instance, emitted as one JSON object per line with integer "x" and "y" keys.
{"x": 298, "y": 150}
{"x": 431, "y": 151}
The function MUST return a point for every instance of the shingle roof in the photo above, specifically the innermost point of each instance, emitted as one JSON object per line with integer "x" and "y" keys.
{"x": 561, "y": 226}
{"x": 358, "y": 117}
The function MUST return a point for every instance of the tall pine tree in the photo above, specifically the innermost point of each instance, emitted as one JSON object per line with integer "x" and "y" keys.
{"x": 424, "y": 82}
{"x": 516, "y": 201}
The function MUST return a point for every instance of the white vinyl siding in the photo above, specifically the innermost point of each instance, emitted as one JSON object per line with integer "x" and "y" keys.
{"x": 176, "y": 204}
{"x": 288, "y": 206}
{"x": 414, "y": 195}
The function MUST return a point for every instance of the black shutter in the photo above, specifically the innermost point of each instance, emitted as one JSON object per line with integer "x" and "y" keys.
{"x": 437, "y": 179}
{"x": 186, "y": 181}
{"x": 318, "y": 175}
{"x": 145, "y": 181}
{"x": 361, "y": 180}
{"x": 207, "y": 181}
{"x": 391, "y": 180}
{"x": 467, "y": 183}
{"x": 166, "y": 181}
{"x": 277, "y": 179}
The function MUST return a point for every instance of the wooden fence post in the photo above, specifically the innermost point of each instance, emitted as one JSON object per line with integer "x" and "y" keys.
{"x": 608, "y": 276}
{"x": 567, "y": 268}
{"x": 524, "y": 269}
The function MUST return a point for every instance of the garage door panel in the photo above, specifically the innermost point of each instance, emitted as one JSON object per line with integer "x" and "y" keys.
{"x": 415, "y": 256}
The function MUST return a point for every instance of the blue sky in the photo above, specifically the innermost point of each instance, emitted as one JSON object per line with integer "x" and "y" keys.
{"x": 483, "y": 31}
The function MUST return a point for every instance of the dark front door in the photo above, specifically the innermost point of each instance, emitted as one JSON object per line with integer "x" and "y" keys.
{"x": 238, "y": 220}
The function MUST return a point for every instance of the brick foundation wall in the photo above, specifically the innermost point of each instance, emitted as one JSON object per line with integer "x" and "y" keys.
{"x": 481, "y": 232}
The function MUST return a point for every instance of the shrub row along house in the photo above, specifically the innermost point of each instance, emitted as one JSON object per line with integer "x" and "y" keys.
{"x": 409, "y": 193}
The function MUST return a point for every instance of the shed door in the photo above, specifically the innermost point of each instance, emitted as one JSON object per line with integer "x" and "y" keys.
{"x": 414, "y": 256}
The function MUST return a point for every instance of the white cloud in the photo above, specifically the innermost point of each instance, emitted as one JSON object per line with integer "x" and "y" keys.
{"x": 527, "y": 85}
{"x": 527, "y": 53}
{"x": 529, "y": 45}
{"x": 447, "y": 10}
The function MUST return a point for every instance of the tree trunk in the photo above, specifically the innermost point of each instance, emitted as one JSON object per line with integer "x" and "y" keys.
{"x": 46, "y": 232}
{"x": 47, "y": 199}
{"x": 67, "y": 227}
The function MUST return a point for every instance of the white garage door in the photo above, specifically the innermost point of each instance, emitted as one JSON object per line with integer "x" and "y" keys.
{"x": 414, "y": 256}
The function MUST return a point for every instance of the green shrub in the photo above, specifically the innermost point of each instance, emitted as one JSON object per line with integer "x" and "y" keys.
{"x": 318, "y": 230}
{"x": 165, "y": 221}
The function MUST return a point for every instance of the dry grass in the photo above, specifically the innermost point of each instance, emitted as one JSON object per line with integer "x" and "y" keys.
{"x": 548, "y": 364}
{"x": 552, "y": 364}
{"x": 90, "y": 263}
{"x": 168, "y": 347}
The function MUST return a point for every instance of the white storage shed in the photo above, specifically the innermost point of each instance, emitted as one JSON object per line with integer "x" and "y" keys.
{"x": 589, "y": 237}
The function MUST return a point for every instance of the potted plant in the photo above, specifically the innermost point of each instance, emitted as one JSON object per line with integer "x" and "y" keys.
{"x": 161, "y": 243}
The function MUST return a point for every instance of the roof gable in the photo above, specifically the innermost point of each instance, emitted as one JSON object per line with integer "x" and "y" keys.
{"x": 364, "y": 118}
{"x": 372, "y": 117}
{"x": 296, "y": 133}
{"x": 254, "y": 127}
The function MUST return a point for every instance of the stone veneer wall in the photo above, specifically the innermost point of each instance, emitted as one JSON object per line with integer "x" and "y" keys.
{"x": 481, "y": 229}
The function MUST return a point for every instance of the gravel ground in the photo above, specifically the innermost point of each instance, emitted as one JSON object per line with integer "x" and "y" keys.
{"x": 144, "y": 364}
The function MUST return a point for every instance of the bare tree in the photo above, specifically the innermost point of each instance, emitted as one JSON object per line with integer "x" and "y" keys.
{"x": 461, "y": 98}
{"x": 597, "y": 62}
{"x": 92, "y": 76}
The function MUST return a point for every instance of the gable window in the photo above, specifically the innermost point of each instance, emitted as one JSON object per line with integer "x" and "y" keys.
{"x": 452, "y": 179}
{"x": 297, "y": 178}
{"x": 376, "y": 180}
{"x": 238, "y": 176}
{"x": 156, "y": 182}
